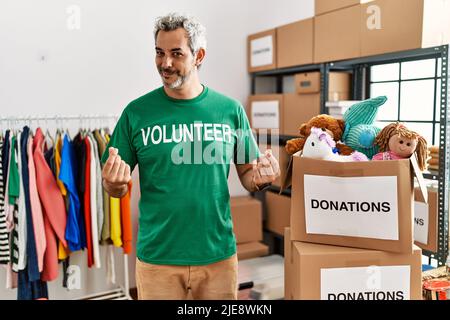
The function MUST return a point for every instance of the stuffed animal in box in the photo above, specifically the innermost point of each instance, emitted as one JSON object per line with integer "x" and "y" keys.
{"x": 334, "y": 127}
{"x": 396, "y": 141}
{"x": 360, "y": 133}
{"x": 319, "y": 145}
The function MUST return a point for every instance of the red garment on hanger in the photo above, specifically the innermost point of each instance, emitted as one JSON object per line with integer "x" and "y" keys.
{"x": 87, "y": 203}
{"x": 55, "y": 216}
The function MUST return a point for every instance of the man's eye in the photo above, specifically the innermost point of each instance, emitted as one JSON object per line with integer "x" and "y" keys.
{"x": 177, "y": 54}
{"x": 159, "y": 53}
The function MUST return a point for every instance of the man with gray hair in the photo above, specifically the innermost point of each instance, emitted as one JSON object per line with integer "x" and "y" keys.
{"x": 184, "y": 136}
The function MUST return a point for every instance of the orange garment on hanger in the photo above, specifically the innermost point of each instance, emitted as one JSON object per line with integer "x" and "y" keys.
{"x": 127, "y": 231}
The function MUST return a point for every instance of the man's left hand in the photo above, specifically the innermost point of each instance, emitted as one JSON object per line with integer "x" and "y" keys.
{"x": 265, "y": 170}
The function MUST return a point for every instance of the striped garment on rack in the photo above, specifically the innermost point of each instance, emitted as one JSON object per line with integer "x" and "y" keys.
{"x": 4, "y": 234}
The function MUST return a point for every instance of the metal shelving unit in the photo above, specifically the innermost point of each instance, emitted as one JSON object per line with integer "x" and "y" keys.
{"x": 360, "y": 68}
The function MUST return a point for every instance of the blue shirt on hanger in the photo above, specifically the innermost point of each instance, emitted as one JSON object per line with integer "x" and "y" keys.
{"x": 75, "y": 222}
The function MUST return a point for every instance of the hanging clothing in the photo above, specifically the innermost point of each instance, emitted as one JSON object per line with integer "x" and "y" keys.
{"x": 55, "y": 216}
{"x": 80, "y": 174}
{"x": 63, "y": 251}
{"x": 30, "y": 285}
{"x": 114, "y": 206}
{"x": 116, "y": 225}
{"x": 36, "y": 209}
{"x": 49, "y": 191}
{"x": 87, "y": 203}
{"x": 67, "y": 176}
{"x": 127, "y": 229}
{"x": 13, "y": 185}
{"x": 51, "y": 267}
{"x": 30, "y": 290}
{"x": 94, "y": 213}
{"x": 22, "y": 215}
{"x": 31, "y": 253}
{"x": 5, "y": 166}
{"x": 11, "y": 218}
{"x": 57, "y": 153}
{"x": 106, "y": 226}
{"x": 5, "y": 152}
{"x": 4, "y": 234}
{"x": 98, "y": 187}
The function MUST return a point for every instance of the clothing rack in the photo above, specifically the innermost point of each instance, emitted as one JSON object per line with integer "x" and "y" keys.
{"x": 122, "y": 292}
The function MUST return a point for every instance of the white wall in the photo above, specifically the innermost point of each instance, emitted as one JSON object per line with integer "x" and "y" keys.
{"x": 48, "y": 69}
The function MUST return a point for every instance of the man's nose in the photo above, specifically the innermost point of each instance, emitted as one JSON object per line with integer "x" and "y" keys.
{"x": 167, "y": 62}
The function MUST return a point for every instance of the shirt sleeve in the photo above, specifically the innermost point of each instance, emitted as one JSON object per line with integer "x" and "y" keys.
{"x": 121, "y": 139}
{"x": 246, "y": 147}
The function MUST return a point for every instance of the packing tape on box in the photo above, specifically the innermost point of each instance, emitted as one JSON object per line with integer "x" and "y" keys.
{"x": 348, "y": 172}
{"x": 362, "y": 263}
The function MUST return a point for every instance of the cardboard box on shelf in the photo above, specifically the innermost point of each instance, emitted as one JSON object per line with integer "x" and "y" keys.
{"x": 298, "y": 108}
{"x": 425, "y": 220}
{"x": 281, "y": 155}
{"x": 326, "y": 272}
{"x": 307, "y": 82}
{"x": 278, "y": 212}
{"x": 356, "y": 204}
{"x": 424, "y": 23}
{"x": 338, "y": 84}
{"x": 265, "y": 111}
{"x": 261, "y": 51}
{"x": 324, "y": 6}
{"x": 337, "y": 35}
{"x": 295, "y": 43}
{"x": 246, "y": 213}
{"x": 252, "y": 250}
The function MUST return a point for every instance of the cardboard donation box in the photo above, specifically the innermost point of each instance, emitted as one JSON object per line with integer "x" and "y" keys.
{"x": 426, "y": 220}
{"x": 325, "y": 272}
{"x": 278, "y": 212}
{"x": 266, "y": 111}
{"x": 366, "y": 205}
{"x": 246, "y": 213}
{"x": 261, "y": 48}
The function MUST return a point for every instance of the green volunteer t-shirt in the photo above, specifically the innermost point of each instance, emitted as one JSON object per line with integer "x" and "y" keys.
{"x": 184, "y": 149}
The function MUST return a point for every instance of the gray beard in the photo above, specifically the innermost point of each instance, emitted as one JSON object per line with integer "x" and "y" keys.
{"x": 179, "y": 82}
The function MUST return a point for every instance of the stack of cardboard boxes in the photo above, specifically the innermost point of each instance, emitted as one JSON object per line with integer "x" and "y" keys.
{"x": 351, "y": 234}
{"x": 347, "y": 29}
{"x": 246, "y": 213}
{"x": 286, "y": 112}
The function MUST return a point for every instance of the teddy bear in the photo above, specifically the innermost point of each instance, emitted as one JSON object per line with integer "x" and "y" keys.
{"x": 334, "y": 127}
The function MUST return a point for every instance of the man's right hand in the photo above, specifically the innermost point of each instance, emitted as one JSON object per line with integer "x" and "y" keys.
{"x": 116, "y": 174}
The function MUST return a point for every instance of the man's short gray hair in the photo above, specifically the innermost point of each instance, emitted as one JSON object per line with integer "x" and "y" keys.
{"x": 195, "y": 30}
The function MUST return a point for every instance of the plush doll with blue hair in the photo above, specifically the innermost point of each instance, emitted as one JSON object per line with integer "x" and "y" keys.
{"x": 360, "y": 133}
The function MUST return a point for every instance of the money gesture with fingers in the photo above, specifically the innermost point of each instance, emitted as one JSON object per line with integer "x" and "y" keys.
{"x": 116, "y": 173}
{"x": 265, "y": 170}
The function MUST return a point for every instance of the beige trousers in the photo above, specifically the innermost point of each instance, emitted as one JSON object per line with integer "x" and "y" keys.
{"x": 215, "y": 281}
